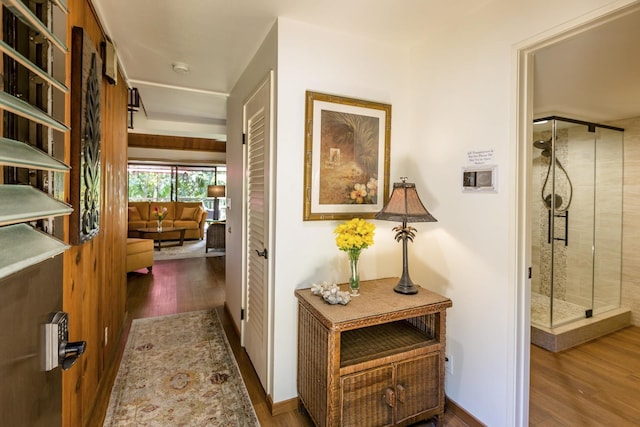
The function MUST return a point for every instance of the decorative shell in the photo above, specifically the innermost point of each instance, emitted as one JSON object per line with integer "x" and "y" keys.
{"x": 330, "y": 293}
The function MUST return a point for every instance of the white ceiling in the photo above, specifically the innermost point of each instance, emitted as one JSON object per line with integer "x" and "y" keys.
{"x": 593, "y": 75}
{"x": 218, "y": 38}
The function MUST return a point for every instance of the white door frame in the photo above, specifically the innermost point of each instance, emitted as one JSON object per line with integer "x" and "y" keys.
{"x": 524, "y": 59}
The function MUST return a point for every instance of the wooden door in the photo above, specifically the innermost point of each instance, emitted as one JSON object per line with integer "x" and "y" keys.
{"x": 257, "y": 125}
{"x": 367, "y": 398}
{"x": 417, "y": 386}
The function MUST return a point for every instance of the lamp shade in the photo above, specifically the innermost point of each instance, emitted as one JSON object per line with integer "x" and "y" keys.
{"x": 215, "y": 191}
{"x": 404, "y": 205}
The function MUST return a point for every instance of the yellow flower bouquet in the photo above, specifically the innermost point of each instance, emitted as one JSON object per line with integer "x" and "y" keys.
{"x": 352, "y": 237}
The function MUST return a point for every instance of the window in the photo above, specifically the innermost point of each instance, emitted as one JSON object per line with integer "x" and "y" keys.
{"x": 176, "y": 183}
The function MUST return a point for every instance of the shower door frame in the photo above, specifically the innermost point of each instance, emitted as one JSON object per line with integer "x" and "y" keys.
{"x": 574, "y": 300}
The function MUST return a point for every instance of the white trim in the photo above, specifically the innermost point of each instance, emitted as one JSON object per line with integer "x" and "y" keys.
{"x": 272, "y": 234}
{"x": 182, "y": 88}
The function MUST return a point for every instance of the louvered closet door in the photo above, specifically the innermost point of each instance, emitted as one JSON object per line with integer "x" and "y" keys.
{"x": 257, "y": 126}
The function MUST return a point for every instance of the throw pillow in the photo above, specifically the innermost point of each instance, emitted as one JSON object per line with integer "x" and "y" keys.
{"x": 134, "y": 214}
{"x": 188, "y": 213}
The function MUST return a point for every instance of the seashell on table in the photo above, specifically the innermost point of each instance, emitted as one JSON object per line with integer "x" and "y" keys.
{"x": 330, "y": 293}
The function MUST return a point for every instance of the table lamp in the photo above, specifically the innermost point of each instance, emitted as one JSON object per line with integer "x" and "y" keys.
{"x": 405, "y": 206}
{"x": 216, "y": 191}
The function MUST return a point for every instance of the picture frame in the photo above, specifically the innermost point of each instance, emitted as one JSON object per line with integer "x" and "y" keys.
{"x": 346, "y": 157}
{"x": 86, "y": 127}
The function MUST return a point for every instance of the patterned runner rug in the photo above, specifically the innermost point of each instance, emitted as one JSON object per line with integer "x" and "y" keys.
{"x": 190, "y": 249}
{"x": 179, "y": 370}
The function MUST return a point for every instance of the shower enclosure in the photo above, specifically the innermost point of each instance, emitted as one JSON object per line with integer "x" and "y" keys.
{"x": 576, "y": 214}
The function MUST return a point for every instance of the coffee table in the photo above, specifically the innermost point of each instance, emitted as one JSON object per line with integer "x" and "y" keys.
{"x": 160, "y": 236}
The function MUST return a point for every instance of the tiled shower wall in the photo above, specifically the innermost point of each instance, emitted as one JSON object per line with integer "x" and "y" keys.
{"x": 631, "y": 218}
{"x": 541, "y": 251}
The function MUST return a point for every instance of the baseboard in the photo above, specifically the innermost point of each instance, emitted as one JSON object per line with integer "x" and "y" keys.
{"x": 458, "y": 411}
{"x": 450, "y": 406}
{"x": 109, "y": 374}
{"x": 283, "y": 406}
{"x": 233, "y": 324}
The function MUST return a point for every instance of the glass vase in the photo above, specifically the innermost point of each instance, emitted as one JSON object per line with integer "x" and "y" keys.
{"x": 354, "y": 279}
{"x": 159, "y": 225}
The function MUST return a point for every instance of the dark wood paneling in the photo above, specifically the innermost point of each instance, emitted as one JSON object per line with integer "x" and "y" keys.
{"x": 141, "y": 140}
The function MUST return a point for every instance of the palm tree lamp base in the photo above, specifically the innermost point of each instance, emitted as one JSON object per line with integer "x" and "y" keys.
{"x": 405, "y": 285}
{"x": 406, "y": 288}
{"x": 405, "y": 206}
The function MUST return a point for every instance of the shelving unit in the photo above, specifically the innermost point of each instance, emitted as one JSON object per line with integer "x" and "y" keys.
{"x": 377, "y": 361}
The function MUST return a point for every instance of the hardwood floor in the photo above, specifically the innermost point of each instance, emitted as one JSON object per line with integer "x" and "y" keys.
{"x": 595, "y": 384}
{"x": 197, "y": 284}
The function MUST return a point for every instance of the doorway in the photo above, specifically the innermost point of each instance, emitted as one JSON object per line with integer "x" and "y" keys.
{"x": 547, "y": 87}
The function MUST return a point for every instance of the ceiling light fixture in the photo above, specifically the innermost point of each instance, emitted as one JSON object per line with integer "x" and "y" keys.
{"x": 180, "y": 67}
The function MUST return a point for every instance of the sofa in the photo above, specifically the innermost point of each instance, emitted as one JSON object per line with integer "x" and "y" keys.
{"x": 139, "y": 254}
{"x": 190, "y": 215}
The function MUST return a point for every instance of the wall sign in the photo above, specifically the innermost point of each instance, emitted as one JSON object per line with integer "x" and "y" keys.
{"x": 481, "y": 175}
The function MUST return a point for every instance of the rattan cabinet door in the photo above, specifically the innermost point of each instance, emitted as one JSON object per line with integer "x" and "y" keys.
{"x": 367, "y": 398}
{"x": 417, "y": 386}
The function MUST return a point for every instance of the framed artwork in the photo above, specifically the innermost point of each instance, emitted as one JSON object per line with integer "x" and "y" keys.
{"x": 346, "y": 157}
{"x": 86, "y": 82}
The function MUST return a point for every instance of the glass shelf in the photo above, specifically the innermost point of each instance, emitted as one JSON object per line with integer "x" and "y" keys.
{"x": 22, "y": 12}
{"x": 22, "y": 155}
{"x": 62, "y": 4}
{"x": 24, "y": 203}
{"x": 22, "y": 246}
{"x": 21, "y": 108}
{"x": 32, "y": 67}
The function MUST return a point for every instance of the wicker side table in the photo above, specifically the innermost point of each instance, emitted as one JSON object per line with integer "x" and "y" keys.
{"x": 215, "y": 236}
{"x": 378, "y": 360}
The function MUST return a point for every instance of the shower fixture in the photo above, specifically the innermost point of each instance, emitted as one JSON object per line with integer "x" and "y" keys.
{"x": 546, "y": 147}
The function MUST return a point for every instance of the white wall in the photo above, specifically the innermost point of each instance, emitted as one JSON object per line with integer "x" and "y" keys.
{"x": 465, "y": 99}
{"x": 264, "y": 60}
{"x": 313, "y": 58}
{"x": 453, "y": 93}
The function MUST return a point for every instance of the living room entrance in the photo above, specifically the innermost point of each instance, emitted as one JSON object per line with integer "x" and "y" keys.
{"x": 176, "y": 183}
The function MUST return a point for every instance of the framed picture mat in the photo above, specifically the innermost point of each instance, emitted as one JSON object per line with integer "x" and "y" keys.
{"x": 346, "y": 157}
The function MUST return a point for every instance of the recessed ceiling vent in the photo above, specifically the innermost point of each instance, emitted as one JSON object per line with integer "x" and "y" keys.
{"x": 180, "y": 67}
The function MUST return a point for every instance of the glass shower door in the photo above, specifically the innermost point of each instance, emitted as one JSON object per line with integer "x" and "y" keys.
{"x": 574, "y": 282}
{"x": 576, "y": 220}
{"x": 609, "y": 174}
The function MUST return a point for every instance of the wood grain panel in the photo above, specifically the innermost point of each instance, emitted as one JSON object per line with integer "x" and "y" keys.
{"x": 94, "y": 291}
{"x": 141, "y": 140}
